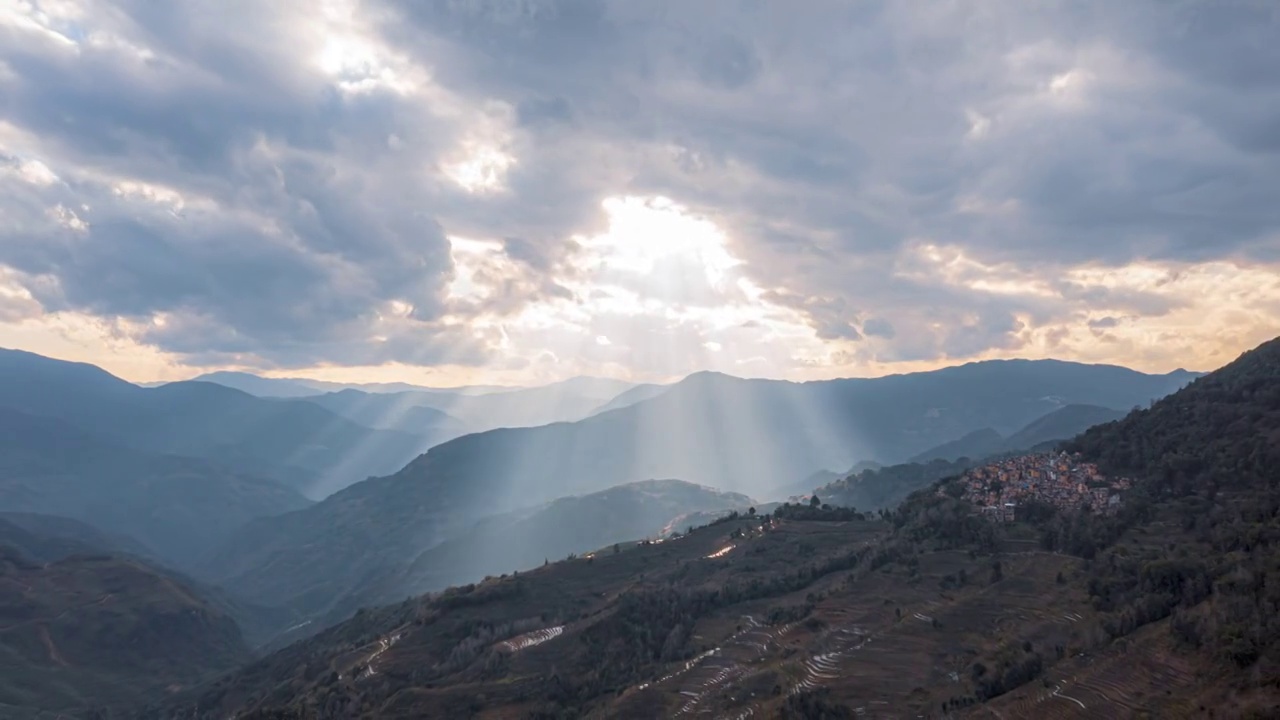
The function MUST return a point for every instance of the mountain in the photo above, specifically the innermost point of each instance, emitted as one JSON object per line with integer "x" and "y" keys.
{"x": 337, "y": 557}
{"x": 305, "y": 387}
{"x": 751, "y": 435}
{"x": 588, "y": 386}
{"x": 178, "y": 507}
{"x": 392, "y": 411}
{"x": 1167, "y": 604}
{"x": 807, "y": 486}
{"x": 1064, "y": 423}
{"x": 631, "y": 396}
{"x": 97, "y": 632}
{"x": 46, "y": 538}
{"x": 294, "y": 442}
{"x": 977, "y": 444}
{"x": 565, "y": 401}
{"x": 877, "y": 488}
{"x": 525, "y": 540}
{"x": 260, "y": 386}
{"x": 745, "y": 436}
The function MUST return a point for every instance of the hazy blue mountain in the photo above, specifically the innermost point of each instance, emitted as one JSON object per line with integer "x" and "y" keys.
{"x": 747, "y": 436}
{"x": 631, "y": 396}
{"x": 260, "y": 386}
{"x": 305, "y": 387}
{"x": 294, "y": 442}
{"x": 479, "y": 407}
{"x": 568, "y": 400}
{"x": 1064, "y": 423}
{"x": 807, "y": 485}
{"x": 977, "y": 444}
{"x": 177, "y": 507}
{"x": 392, "y": 411}
{"x": 526, "y": 539}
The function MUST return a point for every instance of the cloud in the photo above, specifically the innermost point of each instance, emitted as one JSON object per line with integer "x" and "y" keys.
{"x": 879, "y": 327}
{"x": 889, "y": 184}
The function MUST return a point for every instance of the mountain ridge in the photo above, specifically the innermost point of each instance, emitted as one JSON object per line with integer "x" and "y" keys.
{"x": 293, "y": 442}
{"x": 1160, "y": 606}
{"x": 737, "y": 435}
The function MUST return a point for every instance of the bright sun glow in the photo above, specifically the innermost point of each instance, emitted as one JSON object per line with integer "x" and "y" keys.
{"x": 481, "y": 168}
{"x": 660, "y": 292}
{"x": 649, "y": 234}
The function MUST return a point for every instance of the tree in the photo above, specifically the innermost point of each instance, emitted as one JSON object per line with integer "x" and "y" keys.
{"x": 751, "y": 511}
{"x": 814, "y": 501}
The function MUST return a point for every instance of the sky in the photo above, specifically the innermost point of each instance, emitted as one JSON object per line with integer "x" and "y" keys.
{"x": 519, "y": 191}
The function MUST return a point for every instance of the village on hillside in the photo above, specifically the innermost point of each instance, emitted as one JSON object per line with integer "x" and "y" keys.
{"x": 1062, "y": 480}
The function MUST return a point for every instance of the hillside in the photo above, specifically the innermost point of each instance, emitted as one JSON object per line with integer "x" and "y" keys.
{"x": 524, "y": 540}
{"x": 178, "y": 508}
{"x": 884, "y": 488}
{"x": 369, "y": 573}
{"x": 746, "y": 436}
{"x": 1166, "y": 607}
{"x": 88, "y": 632}
{"x": 46, "y": 538}
{"x": 291, "y": 441}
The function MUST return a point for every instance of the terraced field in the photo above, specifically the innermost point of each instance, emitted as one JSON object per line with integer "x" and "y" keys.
{"x": 1136, "y": 681}
{"x": 898, "y": 637}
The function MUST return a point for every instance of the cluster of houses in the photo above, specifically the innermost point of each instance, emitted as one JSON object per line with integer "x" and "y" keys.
{"x": 1058, "y": 479}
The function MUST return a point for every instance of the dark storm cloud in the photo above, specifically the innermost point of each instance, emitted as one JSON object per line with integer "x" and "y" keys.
{"x": 828, "y": 143}
{"x": 297, "y": 224}
{"x": 888, "y": 88}
{"x": 878, "y": 327}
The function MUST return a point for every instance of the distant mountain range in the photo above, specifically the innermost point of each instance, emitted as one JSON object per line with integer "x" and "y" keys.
{"x": 392, "y": 411}
{"x": 565, "y": 401}
{"x": 296, "y": 443}
{"x": 449, "y": 412}
{"x": 205, "y": 479}
{"x": 747, "y": 436}
{"x": 306, "y": 387}
{"x": 178, "y": 507}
